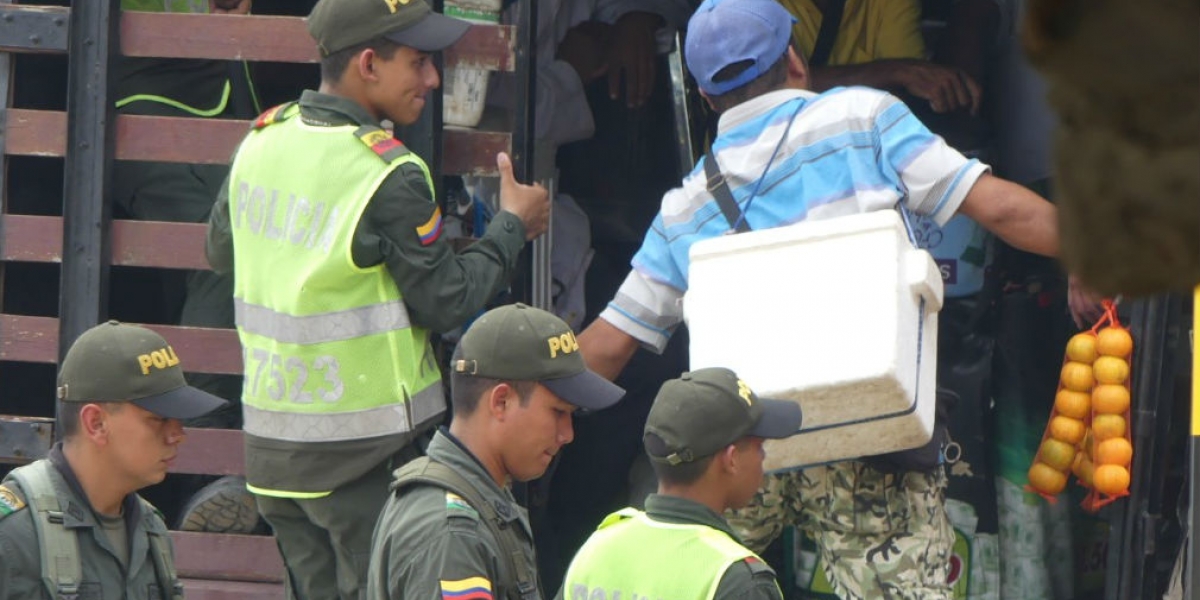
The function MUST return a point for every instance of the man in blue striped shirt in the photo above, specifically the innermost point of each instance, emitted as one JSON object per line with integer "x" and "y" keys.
{"x": 791, "y": 155}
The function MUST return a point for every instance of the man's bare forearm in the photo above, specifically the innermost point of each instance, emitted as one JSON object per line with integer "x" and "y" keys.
{"x": 1018, "y": 216}
{"x": 606, "y": 349}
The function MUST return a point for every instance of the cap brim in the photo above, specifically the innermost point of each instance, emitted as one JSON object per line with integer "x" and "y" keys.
{"x": 181, "y": 403}
{"x": 586, "y": 390}
{"x": 433, "y": 33}
{"x": 780, "y": 419}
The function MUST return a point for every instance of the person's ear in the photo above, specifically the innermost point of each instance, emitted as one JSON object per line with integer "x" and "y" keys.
{"x": 364, "y": 64}
{"x": 729, "y": 459}
{"x": 497, "y": 400}
{"x": 797, "y": 69}
{"x": 93, "y": 422}
{"x": 707, "y": 100}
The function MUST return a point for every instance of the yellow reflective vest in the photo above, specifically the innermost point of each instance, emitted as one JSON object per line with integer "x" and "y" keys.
{"x": 328, "y": 348}
{"x": 634, "y": 557}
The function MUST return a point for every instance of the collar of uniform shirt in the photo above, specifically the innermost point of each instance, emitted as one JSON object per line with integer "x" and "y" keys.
{"x": 673, "y": 509}
{"x": 332, "y": 111}
{"x": 129, "y": 506}
{"x": 461, "y": 446}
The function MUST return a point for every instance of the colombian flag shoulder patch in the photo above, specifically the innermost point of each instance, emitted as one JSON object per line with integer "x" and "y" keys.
{"x": 471, "y": 588}
{"x": 432, "y": 229}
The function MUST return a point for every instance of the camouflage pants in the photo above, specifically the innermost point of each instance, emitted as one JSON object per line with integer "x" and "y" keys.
{"x": 880, "y": 535}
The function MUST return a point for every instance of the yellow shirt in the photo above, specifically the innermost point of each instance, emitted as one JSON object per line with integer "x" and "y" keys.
{"x": 871, "y": 30}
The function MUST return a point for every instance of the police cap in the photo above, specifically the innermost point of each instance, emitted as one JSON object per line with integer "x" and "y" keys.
{"x": 706, "y": 410}
{"x": 340, "y": 24}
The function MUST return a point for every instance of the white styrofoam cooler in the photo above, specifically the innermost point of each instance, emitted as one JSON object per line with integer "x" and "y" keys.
{"x": 827, "y": 313}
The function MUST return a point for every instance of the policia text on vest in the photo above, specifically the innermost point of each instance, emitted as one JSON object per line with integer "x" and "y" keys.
{"x": 283, "y": 216}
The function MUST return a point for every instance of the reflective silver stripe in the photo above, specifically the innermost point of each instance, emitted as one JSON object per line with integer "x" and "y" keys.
{"x": 322, "y": 328}
{"x": 427, "y": 403}
{"x": 334, "y": 427}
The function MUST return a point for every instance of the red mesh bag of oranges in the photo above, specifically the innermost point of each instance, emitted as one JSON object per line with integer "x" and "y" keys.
{"x": 1088, "y": 434}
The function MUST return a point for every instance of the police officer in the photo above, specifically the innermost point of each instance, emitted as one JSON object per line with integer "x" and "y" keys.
{"x": 71, "y": 525}
{"x": 331, "y": 228}
{"x": 704, "y": 437}
{"x": 451, "y": 527}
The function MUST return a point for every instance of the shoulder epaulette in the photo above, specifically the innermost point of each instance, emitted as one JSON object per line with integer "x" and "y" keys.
{"x": 621, "y": 515}
{"x": 10, "y": 502}
{"x": 273, "y": 115}
{"x": 757, "y": 565}
{"x": 380, "y": 142}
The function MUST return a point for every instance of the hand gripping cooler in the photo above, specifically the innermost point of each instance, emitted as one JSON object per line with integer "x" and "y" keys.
{"x": 839, "y": 315}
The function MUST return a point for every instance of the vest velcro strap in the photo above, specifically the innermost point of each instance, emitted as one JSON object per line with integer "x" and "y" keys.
{"x": 380, "y": 142}
{"x": 272, "y": 115}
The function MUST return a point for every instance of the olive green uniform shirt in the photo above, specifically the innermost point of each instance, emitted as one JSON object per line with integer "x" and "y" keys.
{"x": 749, "y": 579}
{"x": 429, "y": 543}
{"x": 106, "y": 575}
{"x": 441, "y": 289}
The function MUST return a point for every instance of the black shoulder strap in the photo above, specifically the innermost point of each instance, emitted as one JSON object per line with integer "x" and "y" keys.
{"x": 719, "y": 188}
{"x": 831, "y": 22}
{"x": 515, "y": 566}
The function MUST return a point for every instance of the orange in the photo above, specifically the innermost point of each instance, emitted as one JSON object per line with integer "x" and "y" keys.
{"x": 1077, "y": 377}
{"x": 1108, "y": 426}
{"x": 1059, "y": 455}
{"x": 1110, "y": 479}
{"x": 1082, "y": 348}
{"x": 1077, "y": 405}
{"x": 1066, "y": 429}
{"x": 1114, "y": 451}
{"x": 1110, "y": 399}
{"x": 1045, "y": 479}
{"x": 1110, "y": 369}
{"x": 1083, "y": 469}
{"x": 1114, "y": 341}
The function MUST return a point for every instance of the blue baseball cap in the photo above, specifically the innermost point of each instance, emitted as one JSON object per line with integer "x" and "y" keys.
{"x": 724, "y": 32}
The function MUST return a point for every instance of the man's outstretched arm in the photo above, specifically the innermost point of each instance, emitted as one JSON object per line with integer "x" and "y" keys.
{"x": 1029, "y": 222}
{"x": 1015, "y": 214}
